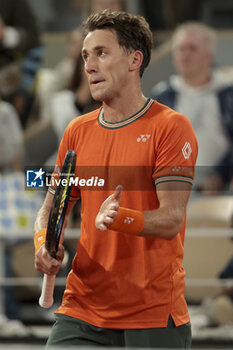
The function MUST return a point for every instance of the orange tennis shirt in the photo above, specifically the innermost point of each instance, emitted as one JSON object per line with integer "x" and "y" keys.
{"x": 117, "y": 280}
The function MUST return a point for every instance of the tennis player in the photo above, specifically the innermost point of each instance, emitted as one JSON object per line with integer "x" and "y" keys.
{"x": 126, "y": 286}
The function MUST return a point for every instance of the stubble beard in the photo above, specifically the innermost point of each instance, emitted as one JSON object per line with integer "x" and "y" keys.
{"x": 101, "y": 95}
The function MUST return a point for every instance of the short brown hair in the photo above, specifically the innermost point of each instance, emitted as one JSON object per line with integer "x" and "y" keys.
{"x": 133, "y": 32}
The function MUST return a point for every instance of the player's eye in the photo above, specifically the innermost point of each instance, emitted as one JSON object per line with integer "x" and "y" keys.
{"x": 85, "y": 57}
{"x": 101, "y": 53}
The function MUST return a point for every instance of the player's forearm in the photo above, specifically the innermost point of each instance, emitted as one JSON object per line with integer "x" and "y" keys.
{"x": 162, "y": 222}
{"x": 43, "y": 214}
{"x": 42, "y": 219}
{"x": 166, "y": 221}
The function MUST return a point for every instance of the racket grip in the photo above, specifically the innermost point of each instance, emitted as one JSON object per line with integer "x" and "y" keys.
{"x": 46, "y": 298}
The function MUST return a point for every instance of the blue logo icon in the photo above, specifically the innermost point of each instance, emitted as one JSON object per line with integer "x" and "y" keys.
{"x": 35, "y": 178}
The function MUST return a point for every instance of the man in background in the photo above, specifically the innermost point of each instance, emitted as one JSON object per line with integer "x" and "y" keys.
{"x": 201, "y": 93}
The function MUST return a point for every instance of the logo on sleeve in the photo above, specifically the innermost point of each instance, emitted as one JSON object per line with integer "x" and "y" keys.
{"x": 187, "y": 150}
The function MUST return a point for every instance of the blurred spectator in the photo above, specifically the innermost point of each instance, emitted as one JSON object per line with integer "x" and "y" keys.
{"x": 201, "y": 93}
{"x": 51, "y": 81}
{"x": 72, "y": 101}
{"x": 17, "y": 213}
{"x": 11, "y": 150}
{"x": 11, "y": 139}
{"x": 21, "y": 53}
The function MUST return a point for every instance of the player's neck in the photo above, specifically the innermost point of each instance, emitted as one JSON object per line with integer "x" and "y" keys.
{"x": 120, "y": 109}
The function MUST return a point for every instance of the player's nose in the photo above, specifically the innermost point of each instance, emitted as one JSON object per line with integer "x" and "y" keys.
{"x": 91, "y": 65}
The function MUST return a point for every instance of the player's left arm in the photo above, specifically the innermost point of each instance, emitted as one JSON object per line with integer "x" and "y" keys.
{"x": 164, "y": 222}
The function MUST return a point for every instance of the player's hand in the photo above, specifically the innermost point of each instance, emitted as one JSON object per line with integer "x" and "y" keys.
{"x": 46, "y": 264}
{"x": 108, "y": 210}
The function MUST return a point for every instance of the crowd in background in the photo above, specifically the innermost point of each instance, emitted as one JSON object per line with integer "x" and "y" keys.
{"x": 32, "y": 95}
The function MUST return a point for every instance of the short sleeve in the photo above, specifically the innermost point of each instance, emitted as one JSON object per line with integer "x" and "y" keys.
{"x": 176, "y": 150}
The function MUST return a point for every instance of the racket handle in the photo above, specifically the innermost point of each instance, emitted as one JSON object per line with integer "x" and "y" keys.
{"x": 46, "y": 298}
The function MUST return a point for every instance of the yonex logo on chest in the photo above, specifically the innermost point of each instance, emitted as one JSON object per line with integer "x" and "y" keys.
{"x": 143, "y": 137}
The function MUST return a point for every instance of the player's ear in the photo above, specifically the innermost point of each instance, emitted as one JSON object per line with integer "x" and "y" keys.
{"x": 136, "y": 58}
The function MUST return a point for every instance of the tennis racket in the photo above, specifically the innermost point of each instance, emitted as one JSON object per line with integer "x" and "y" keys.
{"x": 55, "y": 223}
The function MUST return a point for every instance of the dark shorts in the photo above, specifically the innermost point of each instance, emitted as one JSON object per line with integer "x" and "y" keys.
{"x": 69, "y": 331}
